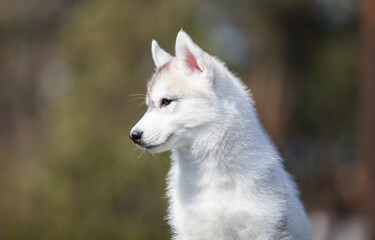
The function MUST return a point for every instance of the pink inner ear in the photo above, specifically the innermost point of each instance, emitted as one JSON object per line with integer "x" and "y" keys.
{"x": 192, "y": 62}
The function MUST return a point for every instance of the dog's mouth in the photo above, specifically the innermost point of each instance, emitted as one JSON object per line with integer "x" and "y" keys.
{"x": 152, "y": 146}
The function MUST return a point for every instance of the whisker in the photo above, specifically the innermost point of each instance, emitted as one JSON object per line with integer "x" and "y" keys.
{"x": 142, "y": 152}
{"x": 142, "y": 103}
{"x": 137, "y": 98}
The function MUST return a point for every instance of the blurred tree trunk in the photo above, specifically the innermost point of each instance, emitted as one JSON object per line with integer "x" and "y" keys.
{"x": 274, "y": 107}
{"x": 367, "y": 110}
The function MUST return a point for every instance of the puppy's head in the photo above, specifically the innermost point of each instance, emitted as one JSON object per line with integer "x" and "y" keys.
{"x": 180, "y": 97}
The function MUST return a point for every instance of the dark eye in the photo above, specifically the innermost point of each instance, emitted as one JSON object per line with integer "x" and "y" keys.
{"x": 165, "y": 102}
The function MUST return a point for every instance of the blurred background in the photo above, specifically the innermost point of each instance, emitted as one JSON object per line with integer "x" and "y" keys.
{"x": 70, "y": 72}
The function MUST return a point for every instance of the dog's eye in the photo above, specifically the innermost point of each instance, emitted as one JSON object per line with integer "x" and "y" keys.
{"x": 165, "y": 102}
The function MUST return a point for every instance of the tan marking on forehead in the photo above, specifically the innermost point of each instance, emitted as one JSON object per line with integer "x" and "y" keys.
{"x": 172, "y": 79}
{"x": 152, "y": 80}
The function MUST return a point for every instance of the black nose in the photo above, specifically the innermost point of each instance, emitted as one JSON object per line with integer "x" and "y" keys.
{"x": 136, "y": 136}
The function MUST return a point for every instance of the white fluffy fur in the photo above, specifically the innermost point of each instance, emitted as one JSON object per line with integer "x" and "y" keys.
{"x": 160, "y": 56}
{"x": 227, "y": 180}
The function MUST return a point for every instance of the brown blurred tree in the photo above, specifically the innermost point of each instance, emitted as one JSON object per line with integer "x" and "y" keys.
{"x": 367, "y": 110}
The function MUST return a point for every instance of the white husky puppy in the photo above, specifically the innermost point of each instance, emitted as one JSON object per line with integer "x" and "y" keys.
{"x": 227, "y": 180}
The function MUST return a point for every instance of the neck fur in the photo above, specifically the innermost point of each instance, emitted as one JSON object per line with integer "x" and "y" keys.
{"x": 236, "y": 143}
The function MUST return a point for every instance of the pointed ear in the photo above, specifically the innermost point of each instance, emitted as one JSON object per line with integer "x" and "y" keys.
{"x": 160, "y": 56}
{"x": 188, "y": 52}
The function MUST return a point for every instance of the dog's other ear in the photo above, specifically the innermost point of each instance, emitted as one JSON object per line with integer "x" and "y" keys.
{"x": 188, "y": 52}
{"x": 160, "y": 56}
